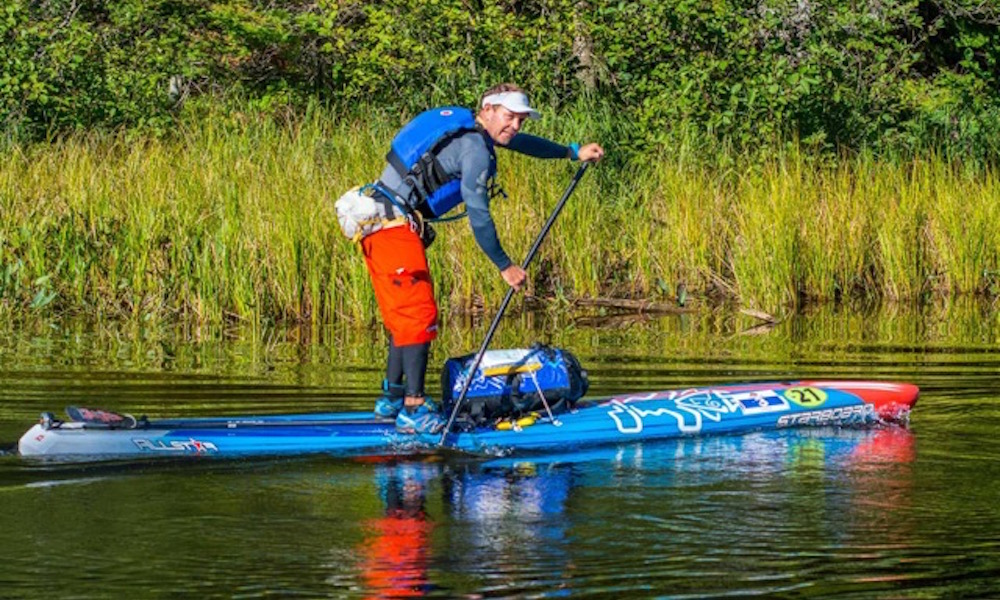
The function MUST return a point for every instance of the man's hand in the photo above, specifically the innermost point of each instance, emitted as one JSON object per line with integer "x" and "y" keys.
{"x": 515, "y": 276}
{"x": 590, "y": 153}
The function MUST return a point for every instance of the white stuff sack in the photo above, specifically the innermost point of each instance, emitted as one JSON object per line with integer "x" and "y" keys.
{"x": 360, "y": 215}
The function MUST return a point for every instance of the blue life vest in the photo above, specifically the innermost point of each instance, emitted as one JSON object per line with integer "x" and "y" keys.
{"x": 413, "y": 154}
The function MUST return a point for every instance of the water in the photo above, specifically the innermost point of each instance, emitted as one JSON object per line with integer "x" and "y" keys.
{"x": 882, "y": 513}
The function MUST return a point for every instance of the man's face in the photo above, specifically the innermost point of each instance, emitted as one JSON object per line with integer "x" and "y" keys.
{"x": 501, "y": 124}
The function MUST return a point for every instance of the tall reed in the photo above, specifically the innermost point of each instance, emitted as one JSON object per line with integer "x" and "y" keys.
{"x": 232, "y": 220}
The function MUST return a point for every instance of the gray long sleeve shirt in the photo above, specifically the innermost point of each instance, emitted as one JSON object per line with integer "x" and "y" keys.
{"x": 468, "y": 157}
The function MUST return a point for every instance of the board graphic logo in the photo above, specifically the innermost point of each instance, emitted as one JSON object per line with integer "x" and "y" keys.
{"x": 692, "y": 408}
{"x": 844, "y": 415}
{"x": 189, "y": 445}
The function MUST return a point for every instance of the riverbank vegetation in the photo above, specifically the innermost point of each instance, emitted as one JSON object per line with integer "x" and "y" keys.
{"x": 234, "y": 220}
{"x": 179, "y": 160}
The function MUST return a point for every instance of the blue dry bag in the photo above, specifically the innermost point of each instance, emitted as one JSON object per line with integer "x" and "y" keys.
{"x": 510, "y": 383}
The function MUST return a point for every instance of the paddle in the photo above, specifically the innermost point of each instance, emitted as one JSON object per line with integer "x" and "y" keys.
{"x": 506, "y": 300}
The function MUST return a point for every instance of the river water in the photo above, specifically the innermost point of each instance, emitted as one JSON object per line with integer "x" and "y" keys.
{"x": 828, "y": 513}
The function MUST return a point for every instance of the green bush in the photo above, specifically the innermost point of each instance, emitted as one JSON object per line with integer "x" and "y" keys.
{"x": 891, "y": 75}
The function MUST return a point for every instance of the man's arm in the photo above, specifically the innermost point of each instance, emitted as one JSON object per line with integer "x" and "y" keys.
{"x": 475, "y": 194}
{"x": 539, "y": 147}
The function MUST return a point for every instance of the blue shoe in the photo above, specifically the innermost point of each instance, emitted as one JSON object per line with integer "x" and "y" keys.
{"x": 388, "y": 408}
{"x": 389, "y": 405}
{"x": 421, "y": 419}
{"x": 431, "y": 405}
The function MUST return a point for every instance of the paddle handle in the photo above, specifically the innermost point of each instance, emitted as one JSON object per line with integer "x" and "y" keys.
{"x": 507, "y": 298}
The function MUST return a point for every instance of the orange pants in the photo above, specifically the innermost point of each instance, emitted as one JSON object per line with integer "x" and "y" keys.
{"x": 398, "y": 268}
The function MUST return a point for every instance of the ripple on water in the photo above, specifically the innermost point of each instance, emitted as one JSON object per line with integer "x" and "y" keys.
{"x": 831, "y": 513}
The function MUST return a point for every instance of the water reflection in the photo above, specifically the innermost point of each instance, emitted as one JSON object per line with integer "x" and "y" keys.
{"x": 509, "y": 524}
{"x": 827, "y": 513}
{"x": 396, "y": 549}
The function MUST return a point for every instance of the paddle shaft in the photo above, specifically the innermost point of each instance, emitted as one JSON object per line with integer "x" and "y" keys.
{"x": 507, "y": 298}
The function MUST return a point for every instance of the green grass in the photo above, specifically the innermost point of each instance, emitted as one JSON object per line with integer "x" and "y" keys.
{"x": 231, "y": 221}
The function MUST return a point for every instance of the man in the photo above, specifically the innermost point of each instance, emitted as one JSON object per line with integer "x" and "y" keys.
{"x": 440, "y": 159}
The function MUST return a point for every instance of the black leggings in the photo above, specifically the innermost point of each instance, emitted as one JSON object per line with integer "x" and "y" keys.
{"x": 411, "y": 361}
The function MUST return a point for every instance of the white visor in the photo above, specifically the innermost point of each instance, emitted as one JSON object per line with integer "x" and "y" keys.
{"x": 512, "y": 101}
